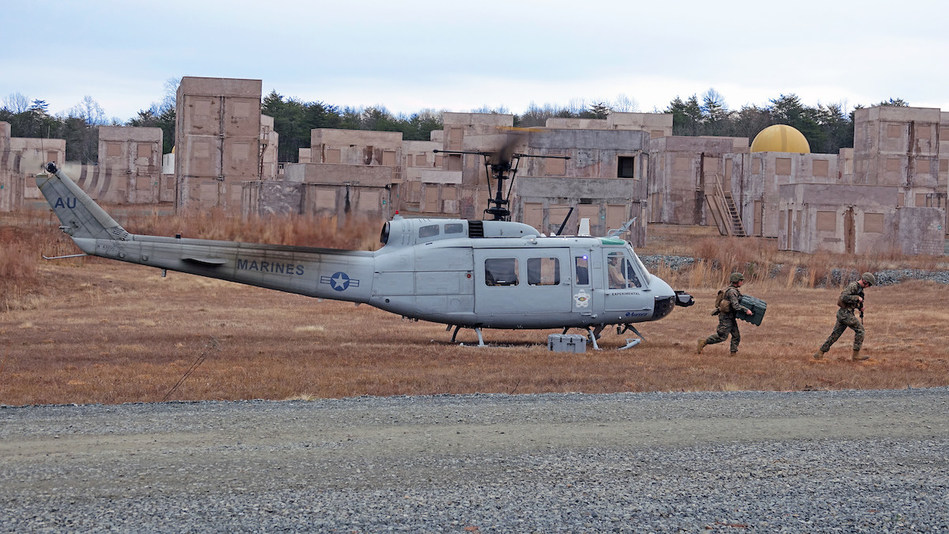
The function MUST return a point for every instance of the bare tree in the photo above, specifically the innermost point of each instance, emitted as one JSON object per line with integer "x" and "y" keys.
{"x": 625, "y": 104}
{"x": 16, "y": 103}
{"x": 90, "y": 111}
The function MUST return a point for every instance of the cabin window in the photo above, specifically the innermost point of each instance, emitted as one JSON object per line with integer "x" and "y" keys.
{"x": 621, "y": 273}
{"x": 454, "y": 228}
{"x": 582, "y": 264}
{"x": 543, "y": 271}
{"x": 428, "y": 231}
{"x": 500, "y": 271}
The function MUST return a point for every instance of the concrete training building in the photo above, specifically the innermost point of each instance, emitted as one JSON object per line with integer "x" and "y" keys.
{"x": 888, "y": 193}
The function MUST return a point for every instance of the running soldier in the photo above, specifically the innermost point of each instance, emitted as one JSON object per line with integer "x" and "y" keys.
{"x": 850, "y": 300}
{"x": 729, "y": 306}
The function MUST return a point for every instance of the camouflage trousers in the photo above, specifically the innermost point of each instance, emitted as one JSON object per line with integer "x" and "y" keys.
{"x": 845, "y": 319}
{"x": 727, "y": 324}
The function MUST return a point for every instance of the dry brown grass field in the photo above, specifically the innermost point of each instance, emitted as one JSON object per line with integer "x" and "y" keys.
{"x": 89, "y": 330}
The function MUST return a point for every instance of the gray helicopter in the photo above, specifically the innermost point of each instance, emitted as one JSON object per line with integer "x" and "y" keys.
{"x": 463, "y": 273}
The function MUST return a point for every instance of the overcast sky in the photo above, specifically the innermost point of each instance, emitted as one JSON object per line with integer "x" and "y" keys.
{"x": 412, "y": 55}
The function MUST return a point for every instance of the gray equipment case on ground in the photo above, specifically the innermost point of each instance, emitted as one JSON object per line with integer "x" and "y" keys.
{"x": 567, "y": 343}
{"x": 757, "y": 307}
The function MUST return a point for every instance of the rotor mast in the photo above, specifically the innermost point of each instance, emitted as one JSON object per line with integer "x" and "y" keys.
{"x": 502, "y": 167}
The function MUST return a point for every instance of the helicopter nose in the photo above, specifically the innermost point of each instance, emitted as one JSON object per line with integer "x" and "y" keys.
{"x": 664, "y": 301}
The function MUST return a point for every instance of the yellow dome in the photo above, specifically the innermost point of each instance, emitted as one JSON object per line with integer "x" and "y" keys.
{"x": 780, "y": 138}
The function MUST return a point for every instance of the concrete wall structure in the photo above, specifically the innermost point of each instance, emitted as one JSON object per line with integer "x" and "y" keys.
{"x": 21, "y": 159}
{"x": 269, "y": 143}
{"x": 130, "y": 159}
{"x": 217, "y": 141}
{"x": 856, "y": 219}
{"x": 681, "y": 170}
{"x": 655, "y": 124}
{"x": 11, "y": 184}
{"x": 604, "y": 180}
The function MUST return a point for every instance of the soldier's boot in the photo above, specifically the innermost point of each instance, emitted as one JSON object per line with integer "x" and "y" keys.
{"x": 733, "y": 353}
{"x": 857, "y": 357}
{"x": 700, "y": 346}
{"x": 819, "y": 355}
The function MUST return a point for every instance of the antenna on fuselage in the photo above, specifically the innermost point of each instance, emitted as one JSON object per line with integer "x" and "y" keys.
{"x": 564, "y": 223}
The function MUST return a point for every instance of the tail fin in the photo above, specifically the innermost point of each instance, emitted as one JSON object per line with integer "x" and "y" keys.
{"x": 80, "y": 216}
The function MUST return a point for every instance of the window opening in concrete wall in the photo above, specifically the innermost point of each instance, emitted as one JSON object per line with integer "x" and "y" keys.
{"x": 555, "y": 167}
{"x": 625, "y": 166}
{"x": 893, "y": 131}
{"x": 533, "y": 214}
{"x": 873, "y": 223}
{"x": 826, "y": 221}
{"x": 821, "y": 168}
{"x": 455, "y": 136}
{"x": 782, "y": 166}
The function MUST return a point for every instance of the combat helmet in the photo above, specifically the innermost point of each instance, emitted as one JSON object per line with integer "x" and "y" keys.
{"x": 869, "y": 279}
{"x": 736, "y": 277}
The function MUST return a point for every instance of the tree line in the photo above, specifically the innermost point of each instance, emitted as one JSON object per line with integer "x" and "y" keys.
{"x": 827, "y": 128}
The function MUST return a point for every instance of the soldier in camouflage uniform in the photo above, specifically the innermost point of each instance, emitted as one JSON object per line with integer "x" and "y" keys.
{"x": 850, "y": 300}
{"x": 727, "y": 324}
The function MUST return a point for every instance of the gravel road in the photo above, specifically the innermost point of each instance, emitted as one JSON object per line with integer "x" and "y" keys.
{"x": 844, "y": 461}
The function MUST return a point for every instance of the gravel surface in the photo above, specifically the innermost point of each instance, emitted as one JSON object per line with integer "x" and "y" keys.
{"x": 845, "y": 461}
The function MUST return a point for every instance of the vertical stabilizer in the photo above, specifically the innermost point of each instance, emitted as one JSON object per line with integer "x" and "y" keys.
{"x": 80, "y": 216}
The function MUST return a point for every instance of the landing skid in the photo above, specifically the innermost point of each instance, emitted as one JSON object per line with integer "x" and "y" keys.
{"x": 630, "y": 343}
{"x": 593, "y": 333}
{"x": 455, "y": 334}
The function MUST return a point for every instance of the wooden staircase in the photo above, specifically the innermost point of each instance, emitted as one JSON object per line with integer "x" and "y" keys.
{"x": 724, "y": 211}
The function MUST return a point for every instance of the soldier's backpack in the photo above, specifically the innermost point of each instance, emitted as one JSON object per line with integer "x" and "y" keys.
{"x": 722, "y": 304}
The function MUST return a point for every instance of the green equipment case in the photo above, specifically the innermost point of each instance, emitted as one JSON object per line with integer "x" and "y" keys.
{"x": 757, "y": 307}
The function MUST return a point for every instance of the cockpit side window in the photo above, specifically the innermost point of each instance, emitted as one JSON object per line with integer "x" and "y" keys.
{"x": 500, "y": 271}
{"x": 621, "y": 272}
{"x": 631, "y": 279}
{"x": 614, "y": 264}
{"x": 454, "y": 228}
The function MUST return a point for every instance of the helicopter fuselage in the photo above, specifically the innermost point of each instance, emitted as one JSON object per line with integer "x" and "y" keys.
{"x": 466, "y": 273}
